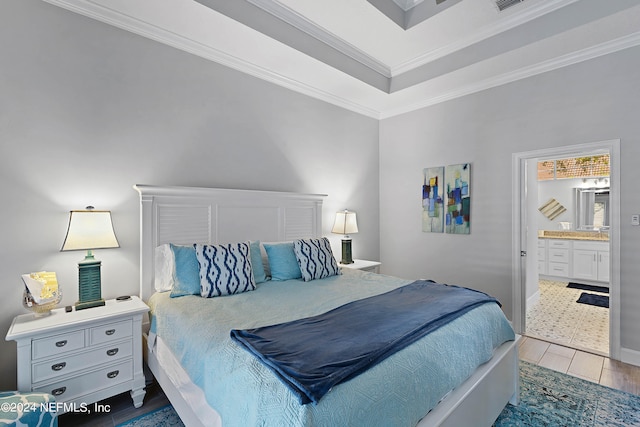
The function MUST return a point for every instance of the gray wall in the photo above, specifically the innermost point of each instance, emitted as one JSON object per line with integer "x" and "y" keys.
{"x": 88, "y": 110}
{"x": 593, "y": 101}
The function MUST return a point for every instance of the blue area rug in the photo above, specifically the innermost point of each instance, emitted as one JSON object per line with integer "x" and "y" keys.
{"x": 163, "y": 417}
{"x": 593, "y": 299}
{"x": 547, "y": 398}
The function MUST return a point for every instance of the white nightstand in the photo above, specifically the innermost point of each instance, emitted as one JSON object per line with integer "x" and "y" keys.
{"x": 82, "y": 356}
{"x": 364, "y": 265}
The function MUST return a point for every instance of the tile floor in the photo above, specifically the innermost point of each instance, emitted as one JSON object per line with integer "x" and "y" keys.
{"x": 558, "y": 318}
{"x": 581, "y": 364}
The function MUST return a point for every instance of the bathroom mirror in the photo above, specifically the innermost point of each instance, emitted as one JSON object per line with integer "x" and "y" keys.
{"x": 592, "y": 208}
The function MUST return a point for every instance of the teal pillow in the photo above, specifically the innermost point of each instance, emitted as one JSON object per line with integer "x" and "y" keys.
{"x": 186, "y": 280}
{"x": 282, "y": 261}
{"x": 256, "y": 262}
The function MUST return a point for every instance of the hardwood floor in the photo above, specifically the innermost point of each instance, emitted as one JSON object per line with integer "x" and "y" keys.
{"x": 588, "y": 366}
{"x": 120, "y": 410}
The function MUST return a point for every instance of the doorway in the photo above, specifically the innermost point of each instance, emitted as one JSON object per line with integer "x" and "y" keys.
{"x": 525, "y": 231}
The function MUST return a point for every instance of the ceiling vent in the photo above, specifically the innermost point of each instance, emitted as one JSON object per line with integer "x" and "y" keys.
{"x": 505, "y": 4}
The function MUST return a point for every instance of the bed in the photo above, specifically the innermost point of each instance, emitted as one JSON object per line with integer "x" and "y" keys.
{"x": 211, "y": 380}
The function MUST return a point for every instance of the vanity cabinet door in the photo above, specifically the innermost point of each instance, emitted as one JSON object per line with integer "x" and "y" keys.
{"x": 585, "y": 264}
{"x": 591, "y": 261}
{"x": 603, "y": 266}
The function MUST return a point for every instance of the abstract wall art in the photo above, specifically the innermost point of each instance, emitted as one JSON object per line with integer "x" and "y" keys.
{"x": 433, "y": 200}
{"x": 552, "y": 209}
{"x": 458, "y": 199}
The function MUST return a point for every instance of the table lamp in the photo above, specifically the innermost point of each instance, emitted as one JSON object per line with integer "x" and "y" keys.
{"x": 88, "y": 230}
{"x": 345, "y": 224}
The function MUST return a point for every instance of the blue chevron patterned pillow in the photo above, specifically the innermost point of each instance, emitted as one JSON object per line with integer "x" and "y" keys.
{"x": 224, "y": 269}
{"x": 315, "y": 258}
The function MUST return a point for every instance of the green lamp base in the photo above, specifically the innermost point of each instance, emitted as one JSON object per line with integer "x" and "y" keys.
{"x": 346, "y": 252}
{"x": 89, "y": 284}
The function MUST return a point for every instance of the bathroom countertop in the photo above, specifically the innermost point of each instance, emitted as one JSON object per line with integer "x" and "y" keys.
{"x": 574, "y": 235}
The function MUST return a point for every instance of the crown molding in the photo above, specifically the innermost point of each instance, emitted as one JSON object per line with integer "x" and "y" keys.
{"x": 533, "y": 12}
{"x": 561, "y": 61}
{"x": 134, "y": 25}
{"x": 291, "y": 17}
{"x": 407, "y": 4}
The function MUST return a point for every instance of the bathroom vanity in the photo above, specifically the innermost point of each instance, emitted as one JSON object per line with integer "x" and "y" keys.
{"x": 574, "y": 255}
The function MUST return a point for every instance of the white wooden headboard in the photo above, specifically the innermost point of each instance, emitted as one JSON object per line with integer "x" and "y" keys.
{"x": 186, "y": 215}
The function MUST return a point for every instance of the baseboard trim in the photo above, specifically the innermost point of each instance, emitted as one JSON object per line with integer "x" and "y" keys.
{"x": 533, "y": 299}
{"x": 629, "y": 356}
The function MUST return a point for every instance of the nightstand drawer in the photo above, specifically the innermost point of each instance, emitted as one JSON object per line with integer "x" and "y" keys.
{"x": 110, "y": 332}
{"x": 50, "y": 346}
{"x": 86, "y": 383}
{"x": 75, "y": 362}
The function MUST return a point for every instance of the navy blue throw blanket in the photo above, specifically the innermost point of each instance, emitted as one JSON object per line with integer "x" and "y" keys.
{"x": 312, "y": 355}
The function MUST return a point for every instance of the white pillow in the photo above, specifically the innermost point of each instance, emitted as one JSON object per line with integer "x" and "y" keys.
{"x": 165, "y": 265}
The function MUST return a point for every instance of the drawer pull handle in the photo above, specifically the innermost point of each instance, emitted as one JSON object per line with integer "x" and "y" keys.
{"x": 113, "y": 374}
{"x": 58, "y": 366}
{"x": 61, "y": 343}
{"x": 58, "y": 391}
{"x": 112, "y": 352}
{"x": 110, "y": 331}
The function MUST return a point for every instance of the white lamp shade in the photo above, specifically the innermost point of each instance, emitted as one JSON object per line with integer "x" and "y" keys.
{"x": 345, "y": 223}
{"x": 90, "y": 229}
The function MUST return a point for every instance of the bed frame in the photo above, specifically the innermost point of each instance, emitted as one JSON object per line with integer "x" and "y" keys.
{"x": 212, "y": 215}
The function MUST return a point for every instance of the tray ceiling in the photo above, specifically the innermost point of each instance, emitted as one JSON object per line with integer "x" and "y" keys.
{"x": 381, "y": 57}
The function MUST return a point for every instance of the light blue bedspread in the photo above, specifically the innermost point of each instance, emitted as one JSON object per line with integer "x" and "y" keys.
{"x": 398, "y": 391}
